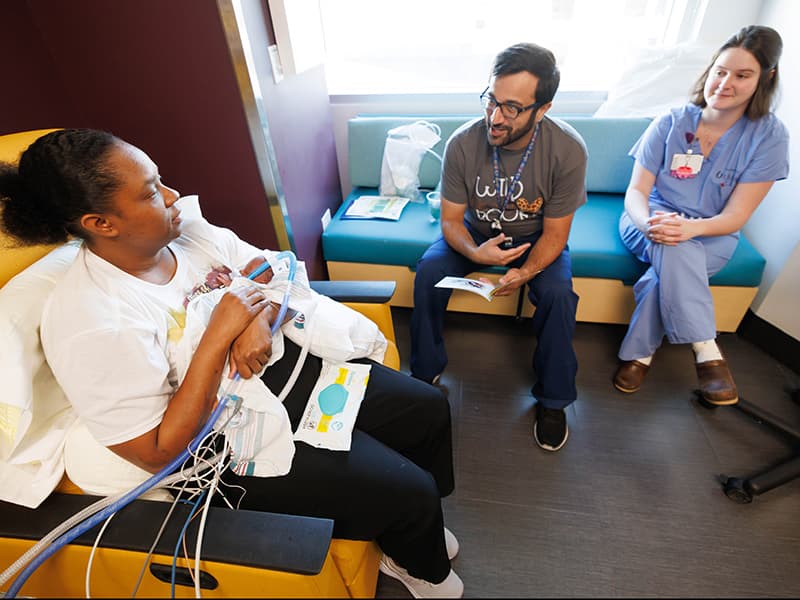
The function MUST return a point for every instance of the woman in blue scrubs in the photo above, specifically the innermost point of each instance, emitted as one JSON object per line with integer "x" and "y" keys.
{"x": 700, "y": 172}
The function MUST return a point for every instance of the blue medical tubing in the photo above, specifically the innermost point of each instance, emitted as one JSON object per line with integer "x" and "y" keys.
{"x": 180, "y": 537}
{"x": 143, "y": 487}
{"x": 102, "y": 515}
{"x": 292, "y": 272}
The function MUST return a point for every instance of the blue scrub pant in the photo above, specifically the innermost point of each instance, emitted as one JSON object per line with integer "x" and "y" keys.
{"x": 673, "y": 297}
{"x": 554, "y": 359}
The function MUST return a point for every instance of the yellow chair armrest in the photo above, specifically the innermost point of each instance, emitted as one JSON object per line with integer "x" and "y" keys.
{"x": 381, "y": 315}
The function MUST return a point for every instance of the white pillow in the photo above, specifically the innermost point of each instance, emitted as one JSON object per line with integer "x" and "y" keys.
{"x": 34, "y": 413}
{"x": 656, "y": 80}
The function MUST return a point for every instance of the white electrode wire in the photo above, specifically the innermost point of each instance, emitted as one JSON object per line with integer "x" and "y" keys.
{"x": 127, "y": 498}
{"x": 216, "y": 459}
{"x": 301, "y": 359}
{"x": 210, "y": 464}
{"x": 201, "y": 532}
{"x": 222, "y": 459}
{"x": 78, "y": 517}
{"x": 92, "y": 553}
{"x": 228, "y": 452}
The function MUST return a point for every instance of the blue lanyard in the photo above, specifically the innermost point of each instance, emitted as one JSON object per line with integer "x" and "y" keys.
{"x": 496, "y": 167}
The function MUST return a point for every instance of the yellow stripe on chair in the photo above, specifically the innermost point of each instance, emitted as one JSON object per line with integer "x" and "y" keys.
{"x": 17, "y": 259}
{"x": 12, "y": 145}
{"x": 381, "y": 315}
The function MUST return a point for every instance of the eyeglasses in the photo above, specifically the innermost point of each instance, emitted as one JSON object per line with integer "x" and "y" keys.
{"x": 510, "y": 111}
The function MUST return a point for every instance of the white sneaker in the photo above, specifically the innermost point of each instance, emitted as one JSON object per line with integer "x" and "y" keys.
{"x": 451, "y": 587}
{"x": 451, "y": 542}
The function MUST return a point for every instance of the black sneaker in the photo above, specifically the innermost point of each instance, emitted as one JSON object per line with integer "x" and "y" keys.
{"x": 437, "y": 383}
{"x": 550, "y": 428}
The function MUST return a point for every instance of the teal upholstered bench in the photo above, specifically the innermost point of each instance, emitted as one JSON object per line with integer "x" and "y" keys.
{"x": 603, "y": 269}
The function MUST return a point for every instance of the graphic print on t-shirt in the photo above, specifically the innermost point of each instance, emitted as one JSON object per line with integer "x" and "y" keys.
{"x": 487, "y": 202}
{"x": 217, "y": 277}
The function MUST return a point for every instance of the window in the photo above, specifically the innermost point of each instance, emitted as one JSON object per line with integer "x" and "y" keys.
{"x": 447, "y": 46}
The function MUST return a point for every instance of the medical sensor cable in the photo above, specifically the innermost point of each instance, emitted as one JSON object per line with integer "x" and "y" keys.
{"x": 78, "y": 517}
{"x": 92, "y": 553}
{"x": 112, "y": 508}
{"x": 195, "y": 506}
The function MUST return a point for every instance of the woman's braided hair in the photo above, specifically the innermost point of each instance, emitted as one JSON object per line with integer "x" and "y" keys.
{"x": 61, "y": 177}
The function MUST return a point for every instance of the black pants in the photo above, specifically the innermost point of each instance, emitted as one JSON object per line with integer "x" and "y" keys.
{"x": 388, "y": 487}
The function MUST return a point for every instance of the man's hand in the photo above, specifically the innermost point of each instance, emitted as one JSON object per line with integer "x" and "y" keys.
{"x": 490, "y": 252}
{"x": 512, "y": 280}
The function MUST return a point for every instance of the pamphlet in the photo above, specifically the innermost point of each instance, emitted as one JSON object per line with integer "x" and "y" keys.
{"x": 376, "y": 207}
{"x": 482, "y": 288}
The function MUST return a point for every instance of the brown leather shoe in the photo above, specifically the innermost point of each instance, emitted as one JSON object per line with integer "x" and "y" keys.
{"x": 630, "y": 375}
{"x": 716, "y": 382}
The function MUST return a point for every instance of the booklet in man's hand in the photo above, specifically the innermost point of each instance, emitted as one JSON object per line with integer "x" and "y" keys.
{"x": 487, "y": 290}
{"x": 376, "y": 207}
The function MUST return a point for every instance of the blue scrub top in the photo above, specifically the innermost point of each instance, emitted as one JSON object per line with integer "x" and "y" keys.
{"x": 750, "y": 151}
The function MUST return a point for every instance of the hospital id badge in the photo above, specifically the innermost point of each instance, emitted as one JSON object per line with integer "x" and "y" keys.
{"x": 685, "y": 166}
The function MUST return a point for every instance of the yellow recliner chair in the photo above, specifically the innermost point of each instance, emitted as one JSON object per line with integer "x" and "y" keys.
{"x": 245, "y": 553}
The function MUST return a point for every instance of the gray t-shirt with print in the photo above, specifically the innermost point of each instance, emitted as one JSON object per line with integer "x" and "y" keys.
{"x": 552, "y": 184}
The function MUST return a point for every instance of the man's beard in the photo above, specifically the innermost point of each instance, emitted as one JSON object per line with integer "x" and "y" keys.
{"x": 513, "y": 135}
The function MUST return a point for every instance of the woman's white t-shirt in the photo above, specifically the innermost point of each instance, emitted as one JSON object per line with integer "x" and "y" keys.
{"x": 109, "y": 336}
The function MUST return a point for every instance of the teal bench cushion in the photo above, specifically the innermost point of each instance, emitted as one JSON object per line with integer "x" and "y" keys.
{"x": 595, "y": 246}
{"x": 608, "y": 141}
{"x": 594, "y": 242}
{"x": 597, "y": 250}
{"x": 746, "y": 267}
{"x": 376, "y": 241}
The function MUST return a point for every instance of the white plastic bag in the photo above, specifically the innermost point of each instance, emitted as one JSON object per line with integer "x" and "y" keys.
{"x": 402, "y": 155}
{"x": 338, "y": 333}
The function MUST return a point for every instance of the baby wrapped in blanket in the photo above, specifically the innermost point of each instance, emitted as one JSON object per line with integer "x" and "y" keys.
{"x": 255, "y": 423}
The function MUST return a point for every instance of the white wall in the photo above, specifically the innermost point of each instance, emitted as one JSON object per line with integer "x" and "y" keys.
{"x": 775, "y": 227}
{"x": 780, "y": 304}
{"x": 716, "y": 25}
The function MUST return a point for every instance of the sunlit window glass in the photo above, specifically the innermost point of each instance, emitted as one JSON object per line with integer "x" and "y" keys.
{"x": 415, "y": 46}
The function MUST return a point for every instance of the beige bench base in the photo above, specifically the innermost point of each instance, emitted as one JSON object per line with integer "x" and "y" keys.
{"x": 602, "y": 300}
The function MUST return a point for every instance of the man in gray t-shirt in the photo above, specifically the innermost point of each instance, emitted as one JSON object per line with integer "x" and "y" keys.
{"x": 511, "y": 182}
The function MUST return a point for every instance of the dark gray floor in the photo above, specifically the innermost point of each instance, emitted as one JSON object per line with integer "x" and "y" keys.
{"x": 631, "y": 506}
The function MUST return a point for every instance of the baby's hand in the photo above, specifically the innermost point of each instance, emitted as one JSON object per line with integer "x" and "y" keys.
{"x": 218, "y": 277}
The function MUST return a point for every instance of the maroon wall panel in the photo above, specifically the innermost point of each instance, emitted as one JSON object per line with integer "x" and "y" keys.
{"x": 158, "y": 74}
{"x": 300, "y": 125}
{"x": 301, "y": 129}
{"x": 31, "y": 93}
